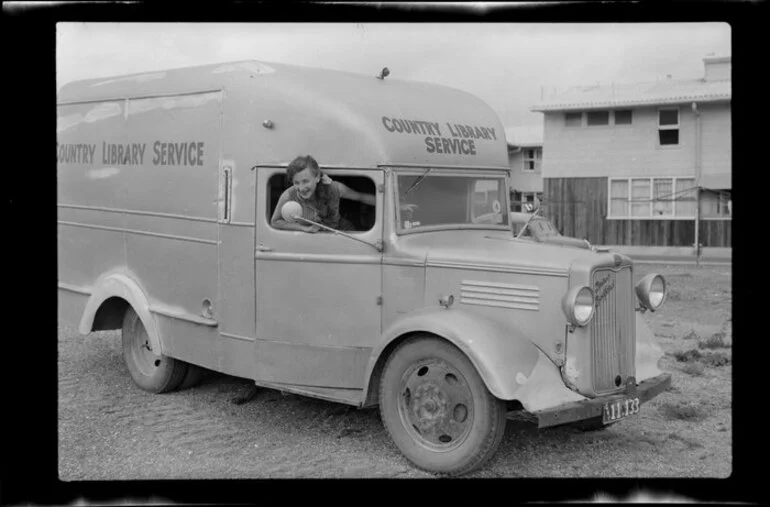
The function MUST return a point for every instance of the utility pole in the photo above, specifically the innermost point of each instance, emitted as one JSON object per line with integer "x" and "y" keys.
{"x": 697, "y": 244}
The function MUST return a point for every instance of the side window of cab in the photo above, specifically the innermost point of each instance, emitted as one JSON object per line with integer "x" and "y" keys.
{"x": 356, "y": 216}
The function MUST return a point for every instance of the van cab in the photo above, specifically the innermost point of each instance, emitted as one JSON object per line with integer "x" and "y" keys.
{"x": 427, "y": 306}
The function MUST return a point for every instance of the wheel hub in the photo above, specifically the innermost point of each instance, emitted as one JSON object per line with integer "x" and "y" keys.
{"x": 437, "y": 404}
{"x": 429, "y": 406}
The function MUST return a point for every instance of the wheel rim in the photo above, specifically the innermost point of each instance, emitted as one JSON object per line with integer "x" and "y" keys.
{"x": 435, "y": 404}
{"x": 141, "y": 350}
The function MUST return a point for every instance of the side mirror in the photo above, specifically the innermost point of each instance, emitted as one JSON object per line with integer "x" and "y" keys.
{"x": 291, "y": 211}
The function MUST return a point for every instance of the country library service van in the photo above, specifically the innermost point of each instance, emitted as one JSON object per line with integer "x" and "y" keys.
{"x": 429, "y": 307}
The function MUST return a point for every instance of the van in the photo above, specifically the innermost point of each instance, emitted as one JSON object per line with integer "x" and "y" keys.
{"x": 428, "y": 306}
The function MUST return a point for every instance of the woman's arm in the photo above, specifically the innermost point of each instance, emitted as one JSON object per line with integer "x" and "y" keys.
{"x": 348, "y": 193}
{"x": 279, "y": 222}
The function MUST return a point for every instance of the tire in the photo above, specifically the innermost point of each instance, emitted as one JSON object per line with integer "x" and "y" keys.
{"x": 437, "y": 409}
{"x": 156, "y": 374}
{"x": 193, "y": 376}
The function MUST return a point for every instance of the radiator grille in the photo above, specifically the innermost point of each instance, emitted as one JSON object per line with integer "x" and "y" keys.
{"x": 613, "y": 328}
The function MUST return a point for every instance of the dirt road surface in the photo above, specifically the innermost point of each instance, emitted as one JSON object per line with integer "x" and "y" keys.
{"x": 111, "y": 430}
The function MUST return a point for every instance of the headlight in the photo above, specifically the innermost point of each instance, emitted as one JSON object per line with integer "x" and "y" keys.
{"x": 578, "y": 305}
{"x": 651, "y": 291}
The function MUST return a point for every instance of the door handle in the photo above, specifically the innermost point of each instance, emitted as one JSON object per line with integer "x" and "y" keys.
{"x": 263, "y": 248}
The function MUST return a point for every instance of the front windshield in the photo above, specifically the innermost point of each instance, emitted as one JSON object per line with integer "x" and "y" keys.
{"x": 436, "y": 199}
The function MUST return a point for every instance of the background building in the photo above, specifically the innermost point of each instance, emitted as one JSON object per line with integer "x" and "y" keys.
{"x": 626, "y": 164}
{"x": 525, "y": 156}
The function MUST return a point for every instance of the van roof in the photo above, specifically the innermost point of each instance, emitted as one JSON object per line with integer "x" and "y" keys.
{"x": 342, "y": 118}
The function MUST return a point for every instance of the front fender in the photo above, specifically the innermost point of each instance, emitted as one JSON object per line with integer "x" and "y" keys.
{"x": 502, "y": 355}
{"x": 123, "y": 286}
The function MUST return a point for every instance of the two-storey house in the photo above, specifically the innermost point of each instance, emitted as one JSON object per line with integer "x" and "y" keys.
{"x": 629, "y": 164}
{"x": 525, "y": 156}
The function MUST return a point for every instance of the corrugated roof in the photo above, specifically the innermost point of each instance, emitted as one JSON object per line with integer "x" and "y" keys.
{"x": 524, "y": 136}
{"x": 669, "y": 91}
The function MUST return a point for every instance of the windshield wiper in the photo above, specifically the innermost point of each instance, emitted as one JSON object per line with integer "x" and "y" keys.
{"x": 418, "y": 181}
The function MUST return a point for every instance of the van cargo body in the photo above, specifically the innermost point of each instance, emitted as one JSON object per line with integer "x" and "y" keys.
{"x": 167, "y": 182}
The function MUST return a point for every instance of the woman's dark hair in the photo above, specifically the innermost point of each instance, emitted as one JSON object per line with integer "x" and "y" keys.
{"x": 301, "y": 163}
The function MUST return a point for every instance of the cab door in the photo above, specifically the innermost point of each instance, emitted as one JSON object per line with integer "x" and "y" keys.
{"x": 318, "y": 296}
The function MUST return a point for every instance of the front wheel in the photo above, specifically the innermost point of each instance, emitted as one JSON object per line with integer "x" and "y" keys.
{"x": 156, "y": 374}
{"x": 437, "y": 409}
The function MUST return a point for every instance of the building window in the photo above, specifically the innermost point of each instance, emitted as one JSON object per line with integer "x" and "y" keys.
{"x": 594, "y": 118}
{"x": 573, "y": 119}
{"x": 662, "y": 197}
{"x": 665, "y": 198}
{"x": 641, "y": 204}
{"x": 532, "y": 159}
{"x": 668, "y": 127}
{"x": 525, "y": 201}
{"x": 623, "y": 117}
{"x": 716, "y": 203}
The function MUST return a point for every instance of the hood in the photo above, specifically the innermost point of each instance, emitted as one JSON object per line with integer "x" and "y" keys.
{"x": 566, "y": 241}
{"x": 492, "y": 249}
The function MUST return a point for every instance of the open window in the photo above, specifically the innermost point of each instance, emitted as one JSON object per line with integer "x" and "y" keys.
{"x": 358, "y": 216}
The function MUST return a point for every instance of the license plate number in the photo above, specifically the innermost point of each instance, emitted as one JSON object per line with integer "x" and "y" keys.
{"x": 619, "y": 409}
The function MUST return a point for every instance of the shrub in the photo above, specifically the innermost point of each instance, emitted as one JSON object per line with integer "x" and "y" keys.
{"x": 716, "y": 341}
{"x": 715, "y": 359}
{"x": 685, "y": 356}
{"x": 695, "y": 369}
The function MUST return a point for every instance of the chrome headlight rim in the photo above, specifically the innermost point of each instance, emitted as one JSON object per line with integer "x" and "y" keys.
{"x": 646, "y": 293}
{"x": 578, "y": 298}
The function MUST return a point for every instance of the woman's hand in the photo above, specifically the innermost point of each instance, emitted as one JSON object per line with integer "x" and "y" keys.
{"x": 311, "y": 228}
{"x": 325, "y": 179}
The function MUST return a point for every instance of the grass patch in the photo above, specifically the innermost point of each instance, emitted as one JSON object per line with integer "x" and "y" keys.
{"x": 682, "y": 411}
{"x": 694, "y": 357}
{"x": 715, "y": 341}
{"x": 689, "y": 442}
{"x": 692, "y": 335}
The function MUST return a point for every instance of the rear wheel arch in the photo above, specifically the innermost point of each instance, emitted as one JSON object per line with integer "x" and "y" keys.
{"x": 110, "y": 314}
{"x": 112, "y": 296}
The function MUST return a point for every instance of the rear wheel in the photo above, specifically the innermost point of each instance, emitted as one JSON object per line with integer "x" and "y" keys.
{"x": 156, "y": 374}
{"x": 437, "y": 409}
{"x": 193, "y": 377}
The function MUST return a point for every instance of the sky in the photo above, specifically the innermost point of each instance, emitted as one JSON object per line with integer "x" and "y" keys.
{"x": 510, "y": 66}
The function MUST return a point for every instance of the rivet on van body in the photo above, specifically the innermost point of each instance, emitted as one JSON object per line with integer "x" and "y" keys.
{"x": 268, "y": 124}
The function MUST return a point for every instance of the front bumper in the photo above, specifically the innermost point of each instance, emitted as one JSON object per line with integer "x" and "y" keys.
{"x": 589, "y": 408}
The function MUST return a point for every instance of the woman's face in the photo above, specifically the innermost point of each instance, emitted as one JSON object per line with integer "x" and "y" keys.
{"x": 305, "y": 182}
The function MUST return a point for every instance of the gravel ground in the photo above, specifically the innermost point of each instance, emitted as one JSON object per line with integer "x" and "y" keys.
{"x": 111, "y": 430}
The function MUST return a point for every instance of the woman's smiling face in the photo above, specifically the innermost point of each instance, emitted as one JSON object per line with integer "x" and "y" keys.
{"x": 305, "y": 182}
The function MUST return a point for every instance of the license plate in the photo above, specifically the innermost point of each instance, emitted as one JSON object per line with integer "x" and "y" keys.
{"x": 619, "y": 409}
